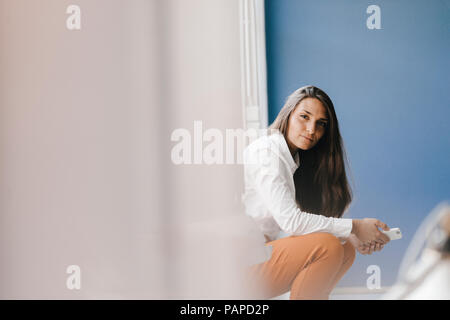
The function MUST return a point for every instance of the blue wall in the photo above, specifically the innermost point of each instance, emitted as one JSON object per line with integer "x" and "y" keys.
{"x": 390, "y": 88}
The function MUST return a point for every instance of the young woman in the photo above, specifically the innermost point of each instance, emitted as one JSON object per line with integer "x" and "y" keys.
{"x": 295, "y": 182}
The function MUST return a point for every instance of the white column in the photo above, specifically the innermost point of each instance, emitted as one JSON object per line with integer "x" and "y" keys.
{"x": 253, "y": 64}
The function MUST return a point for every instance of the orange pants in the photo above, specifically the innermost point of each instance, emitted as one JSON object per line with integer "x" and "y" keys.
{"x": 309, "y": 266}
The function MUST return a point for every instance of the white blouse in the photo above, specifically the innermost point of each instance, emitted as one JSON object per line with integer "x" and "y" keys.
{"x": 269, "y": 196}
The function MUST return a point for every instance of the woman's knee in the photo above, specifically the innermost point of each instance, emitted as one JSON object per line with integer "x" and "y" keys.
{"x": 330, "y": 243}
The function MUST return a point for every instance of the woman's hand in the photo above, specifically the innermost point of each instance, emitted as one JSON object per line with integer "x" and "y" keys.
{"x": 361, "y": 247}
{"x": 366, "y": 230}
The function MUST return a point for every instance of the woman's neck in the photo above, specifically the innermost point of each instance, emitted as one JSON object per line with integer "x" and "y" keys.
{"x": 293, "y": 150}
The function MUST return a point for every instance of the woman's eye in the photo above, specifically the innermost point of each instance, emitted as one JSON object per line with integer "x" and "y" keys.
{"x": 304, "y": 116}
{"x": 323, "y": 124}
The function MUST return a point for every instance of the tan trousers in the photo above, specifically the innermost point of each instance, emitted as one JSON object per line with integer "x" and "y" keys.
{"x": 309, "y": 266}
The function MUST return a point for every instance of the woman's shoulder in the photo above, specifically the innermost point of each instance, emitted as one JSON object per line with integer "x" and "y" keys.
{"x": 268, "y": 142}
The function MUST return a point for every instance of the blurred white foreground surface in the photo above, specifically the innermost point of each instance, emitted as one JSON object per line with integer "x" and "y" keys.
{"x": 425, "y": 269}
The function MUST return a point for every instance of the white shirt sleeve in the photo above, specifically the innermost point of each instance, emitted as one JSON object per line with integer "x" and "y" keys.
{"x": 272, "y": 183}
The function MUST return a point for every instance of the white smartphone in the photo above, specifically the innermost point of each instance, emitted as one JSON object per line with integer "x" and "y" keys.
{"x": 393, "y": 233}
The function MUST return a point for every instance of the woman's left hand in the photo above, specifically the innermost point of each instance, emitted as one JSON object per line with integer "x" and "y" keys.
{"x": 361, "y": 247}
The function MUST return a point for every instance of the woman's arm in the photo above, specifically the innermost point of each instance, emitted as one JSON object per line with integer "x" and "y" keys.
{"x": 265, "y": 168}
{"x": 271, "y": 183}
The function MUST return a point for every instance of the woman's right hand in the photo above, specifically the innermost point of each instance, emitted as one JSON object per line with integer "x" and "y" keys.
{"x": 367, "y": 231}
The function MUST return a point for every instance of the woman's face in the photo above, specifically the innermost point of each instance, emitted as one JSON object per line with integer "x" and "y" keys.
{"x": 306, "y": 125}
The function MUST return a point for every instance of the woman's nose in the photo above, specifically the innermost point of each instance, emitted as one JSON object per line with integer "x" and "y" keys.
{"x": 311, "y": 129}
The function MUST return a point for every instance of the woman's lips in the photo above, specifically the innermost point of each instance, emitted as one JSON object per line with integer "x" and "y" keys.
{"x": 309, "y": 139}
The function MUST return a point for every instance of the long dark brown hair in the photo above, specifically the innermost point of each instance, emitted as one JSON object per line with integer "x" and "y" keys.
{"x": 321, "y": 185}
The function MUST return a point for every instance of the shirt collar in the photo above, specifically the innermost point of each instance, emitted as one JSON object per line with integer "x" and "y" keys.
{"x": 293, "y": 162}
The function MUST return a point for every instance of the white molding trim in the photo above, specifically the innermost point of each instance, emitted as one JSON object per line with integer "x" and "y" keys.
{"x": 353, "y": 293}
{"x": 253, "y": 64}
